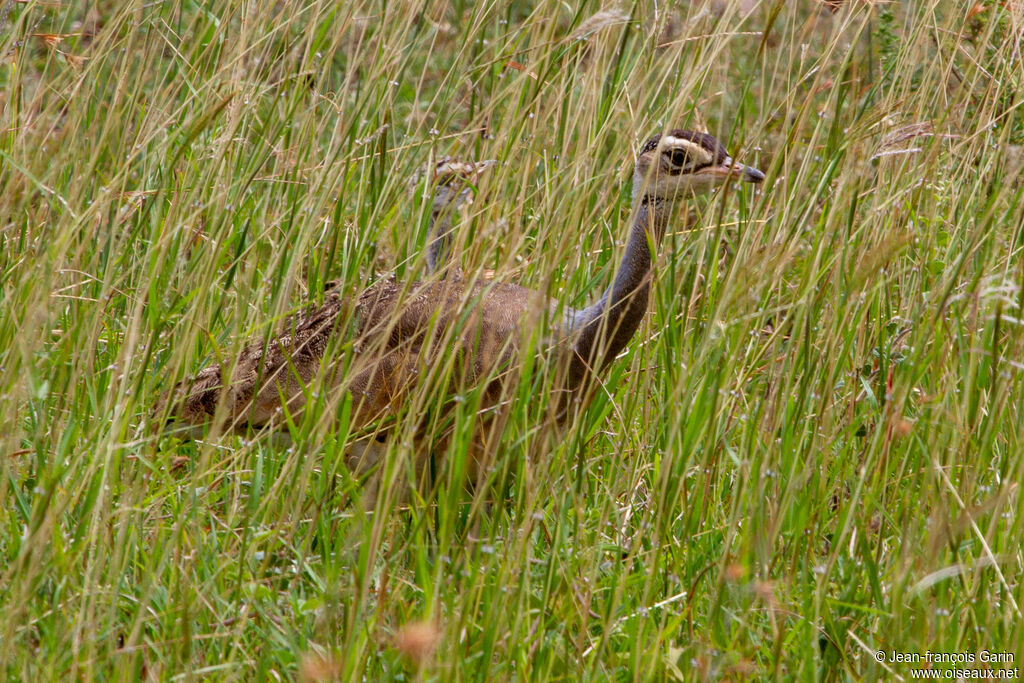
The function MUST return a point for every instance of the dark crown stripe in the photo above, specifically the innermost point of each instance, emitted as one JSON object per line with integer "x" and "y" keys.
{"x": 708, "y": 142}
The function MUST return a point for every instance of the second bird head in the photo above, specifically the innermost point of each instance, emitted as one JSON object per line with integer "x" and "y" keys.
{"x": 454, "y": 181}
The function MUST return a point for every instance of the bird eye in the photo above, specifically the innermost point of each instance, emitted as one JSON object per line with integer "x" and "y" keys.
{"x": 677, "y": 157}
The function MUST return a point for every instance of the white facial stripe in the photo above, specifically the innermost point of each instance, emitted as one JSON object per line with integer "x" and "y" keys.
{"x": 459, "y": 167}
{"x": 452, "y": 168}
{"x": 698, "y": 155}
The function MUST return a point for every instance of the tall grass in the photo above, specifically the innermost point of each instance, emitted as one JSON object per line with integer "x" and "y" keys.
{"x": 810, "y": 452}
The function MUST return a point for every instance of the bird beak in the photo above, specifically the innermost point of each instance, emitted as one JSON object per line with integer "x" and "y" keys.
{"x": 482, "y": 166}
{"x": 749, "y": 174}
{"x": 730, "y": 169}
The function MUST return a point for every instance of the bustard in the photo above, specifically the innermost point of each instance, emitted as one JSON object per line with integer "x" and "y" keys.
{"x": 453, "y": 182}
{"x": 381, "y": 344}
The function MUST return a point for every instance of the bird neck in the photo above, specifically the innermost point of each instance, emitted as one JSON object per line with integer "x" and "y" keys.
{"x": 439, "y": 239}
{"x": 439, "y": 228}
{"x": 604, "y": 328}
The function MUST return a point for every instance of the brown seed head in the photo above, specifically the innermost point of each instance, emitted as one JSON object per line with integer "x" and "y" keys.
{"x": 418, "y": 640}
{"x": 315, "y": 667}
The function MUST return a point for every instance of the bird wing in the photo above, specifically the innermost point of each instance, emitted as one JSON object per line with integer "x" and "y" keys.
{"x": 380, "y": 346}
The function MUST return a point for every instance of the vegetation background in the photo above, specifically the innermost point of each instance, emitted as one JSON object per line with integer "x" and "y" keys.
{"x": 810, "y": 453}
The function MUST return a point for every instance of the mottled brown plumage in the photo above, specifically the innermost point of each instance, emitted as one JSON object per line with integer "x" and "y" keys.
{"x": 393, "y": 339}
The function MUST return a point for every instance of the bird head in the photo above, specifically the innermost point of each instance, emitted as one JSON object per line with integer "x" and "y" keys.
{"x": 677, "y": 163}
{"x": 454, "y": 180}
